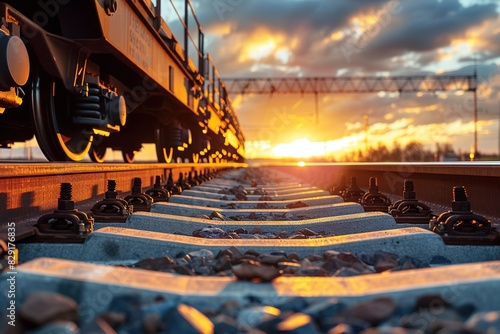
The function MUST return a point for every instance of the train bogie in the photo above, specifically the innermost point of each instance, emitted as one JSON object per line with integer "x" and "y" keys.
{"x": 110, "y": 74}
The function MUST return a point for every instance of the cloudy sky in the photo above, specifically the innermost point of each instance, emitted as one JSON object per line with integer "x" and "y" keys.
{"x": 266, "y": 38}
{"x": 290, "y": 38}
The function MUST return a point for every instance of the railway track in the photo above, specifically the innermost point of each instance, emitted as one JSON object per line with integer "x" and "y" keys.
{"x": 257, "y": 250}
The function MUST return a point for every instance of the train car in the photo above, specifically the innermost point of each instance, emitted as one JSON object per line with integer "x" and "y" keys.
{"x": 83, "y": 76}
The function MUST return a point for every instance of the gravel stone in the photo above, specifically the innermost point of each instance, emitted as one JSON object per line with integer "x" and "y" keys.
{"x": 225, "y": 324}
{"x": 297, "y": 323}
{"x": 155, "y": 263}
{"x": 308, "y": 232}
{"x": 253, "y": 265}
{"x": 113, "y": 319}
{"x": 210, "y": 233}
{"x": 255, "y": 271}
{"x": 42, "y": 307}
{"x": 216, "y": 216}
{"x": 384, "y": 261}
{"x": 222, "y": 263}
{"x": 311, "y": 271}
{"x": 324, "y": 309}
{"x": 298, "y": 204}
{"x": 183, "y": 270}
{"x": 439, "y": 260}
{"x": 65, "y": 327}
{"x": 371, "y": 311}
{"x": 255, "y": 315}
{"x": 98, "y": 326}
{"x": 129, "y": 305}
{"x": 485, "y": 322}
{"x": 187, "y": 320}
{"x": 271, "y": 259}
{"x": 203, "y": 254}
{"x": 347, "y": 272}
{"x": 343, "y": 329}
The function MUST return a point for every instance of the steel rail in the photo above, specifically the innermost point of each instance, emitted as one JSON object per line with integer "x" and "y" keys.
{"x": 433, "y": 181}
{"x": 27, "y": 190}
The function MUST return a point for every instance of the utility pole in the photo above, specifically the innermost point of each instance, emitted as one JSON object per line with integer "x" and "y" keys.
{"x": 475, "y": 112}
{"x": 365, "y": 117}
{"x": 474, "y": 153}
{"x": 474, "y": 91}
{"x": 316, "y": 110}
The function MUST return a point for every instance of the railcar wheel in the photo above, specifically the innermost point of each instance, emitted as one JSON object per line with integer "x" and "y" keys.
{"x": 97, "y": 153}
{"x": 164, "y": 152}
{"x": 128, "y": 155}
{"x": 58, "y": 138}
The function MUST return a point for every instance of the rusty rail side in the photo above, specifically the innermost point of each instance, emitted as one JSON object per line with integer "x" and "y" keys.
{"x": 433, "y": 181}
{"x": 29, "y": 190}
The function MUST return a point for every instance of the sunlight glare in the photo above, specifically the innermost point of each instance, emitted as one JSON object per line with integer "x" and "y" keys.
{"x": 283, "y": 54}
{"x": 337, "y": 35}
{"x": 303, "y": 148}
{"x": 300, "y": 148}
{"x": 262, "y": 50}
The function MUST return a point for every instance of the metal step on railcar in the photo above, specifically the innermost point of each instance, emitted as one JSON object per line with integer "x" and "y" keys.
{"x": 264, "y": 259}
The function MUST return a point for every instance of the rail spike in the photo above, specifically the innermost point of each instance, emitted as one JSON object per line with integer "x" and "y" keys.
{"x": 183, "y": 182}
{"x": 374, "y": 200}
{"x": 340, "y": 187}
{"x": 192, "y": 180}
{"x": 66, "y": 224}
{"x": 140, "y": 200}
{"x": 409, "y": 210}
{"x": 112, "y": 208}
{"x": 171, "y": 186}
{"x": 158, "y": 192}
{"x": 461, "y": 226}
{"x": 353, "y": 193}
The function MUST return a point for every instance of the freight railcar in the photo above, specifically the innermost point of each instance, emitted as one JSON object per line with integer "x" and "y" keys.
{"x": 83, "y": 76}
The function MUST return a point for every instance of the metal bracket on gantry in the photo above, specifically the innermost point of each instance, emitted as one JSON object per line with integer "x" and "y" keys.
{"x": 409, "y": 210}
{"x": 461, "y": 226}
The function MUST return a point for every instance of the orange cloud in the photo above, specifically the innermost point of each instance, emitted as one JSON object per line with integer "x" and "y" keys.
{"x": 260, "y": 44}
{"x": 401, "y": 131}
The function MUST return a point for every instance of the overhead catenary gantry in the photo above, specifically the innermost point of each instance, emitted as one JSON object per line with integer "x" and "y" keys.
{"x": 361, "y": 84}
{"x": 328, "y": 85}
